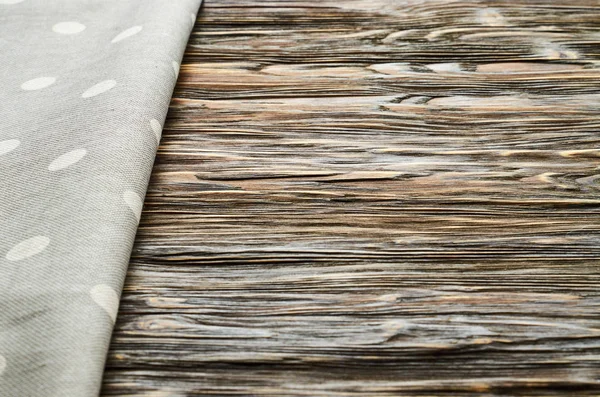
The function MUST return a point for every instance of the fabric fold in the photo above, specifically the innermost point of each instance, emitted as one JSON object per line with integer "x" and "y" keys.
{"x": 85, "y": 88}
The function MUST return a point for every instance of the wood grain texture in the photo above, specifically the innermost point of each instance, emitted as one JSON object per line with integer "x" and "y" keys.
{"x": 373, "y": 198}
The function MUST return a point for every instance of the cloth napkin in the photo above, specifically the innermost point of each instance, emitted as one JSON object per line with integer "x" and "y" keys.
{"x": 84, "y": 90}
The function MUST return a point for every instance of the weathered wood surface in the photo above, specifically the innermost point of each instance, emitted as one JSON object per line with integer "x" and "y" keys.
{"x": 374, "y": 198}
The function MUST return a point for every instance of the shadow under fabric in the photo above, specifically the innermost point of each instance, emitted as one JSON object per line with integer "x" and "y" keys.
{"x": 84, "y": 91}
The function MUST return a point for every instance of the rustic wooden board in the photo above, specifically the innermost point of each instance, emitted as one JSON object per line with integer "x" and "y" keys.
{"x": 369, "y": 197}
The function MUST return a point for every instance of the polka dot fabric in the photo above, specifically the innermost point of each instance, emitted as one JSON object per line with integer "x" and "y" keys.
{"x": 85, "y": 89}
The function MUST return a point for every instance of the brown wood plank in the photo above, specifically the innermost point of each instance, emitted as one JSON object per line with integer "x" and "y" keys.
{"x": 373, "y": 197}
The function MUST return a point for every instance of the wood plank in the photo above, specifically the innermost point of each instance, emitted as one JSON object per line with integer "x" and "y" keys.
{"x": 373, "y": 197}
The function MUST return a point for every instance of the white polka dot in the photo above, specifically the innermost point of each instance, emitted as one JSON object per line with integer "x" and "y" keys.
{"x": 156, "y": 127}
{"x": 8, "y": 146}
{"x": 68, "y": 27}
{"x": 38, "y": 83}
{"x": 107, "y": 298}
{"x": 67, "y": 159}
{"x": 2, "y": 364}
{"x": 99, "y": 88}
{"x": 127, "y": 33}
{"x": 175, "y": 68}
{"x": 134, "y": 202}
{"x": 27, "y": 248}
{"x": 10, "y": 1}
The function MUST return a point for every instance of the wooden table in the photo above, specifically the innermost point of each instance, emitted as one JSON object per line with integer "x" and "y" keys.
{"x": 373, "y": 198}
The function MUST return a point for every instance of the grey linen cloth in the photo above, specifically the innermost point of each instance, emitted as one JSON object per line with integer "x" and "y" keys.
{"x": 84, "y": 90}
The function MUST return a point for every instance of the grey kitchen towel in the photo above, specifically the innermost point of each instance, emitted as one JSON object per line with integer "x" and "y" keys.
{"x": 84, "y": 90}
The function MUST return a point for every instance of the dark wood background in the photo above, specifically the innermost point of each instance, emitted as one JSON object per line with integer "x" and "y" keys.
{"x": 373, "y": 198}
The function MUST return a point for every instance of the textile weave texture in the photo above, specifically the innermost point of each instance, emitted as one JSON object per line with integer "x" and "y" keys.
{"x": 84, "y": 90}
